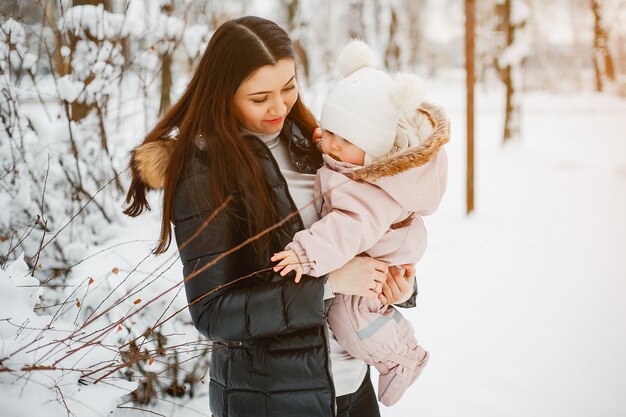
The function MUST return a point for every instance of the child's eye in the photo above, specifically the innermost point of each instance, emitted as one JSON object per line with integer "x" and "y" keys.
{"x": 263, "y": 100}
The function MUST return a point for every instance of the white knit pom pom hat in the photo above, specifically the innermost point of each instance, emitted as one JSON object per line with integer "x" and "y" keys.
{"x": 364, "y": 107}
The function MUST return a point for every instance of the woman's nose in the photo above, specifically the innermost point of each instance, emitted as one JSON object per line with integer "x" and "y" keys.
{"x": 278, "y": 107}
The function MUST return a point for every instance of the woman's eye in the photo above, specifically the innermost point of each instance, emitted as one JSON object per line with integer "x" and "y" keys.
{"x": 263, "y": 100}
{"x": 291, "y": 87}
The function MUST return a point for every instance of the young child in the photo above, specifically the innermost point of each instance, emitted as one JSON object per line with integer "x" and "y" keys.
{"x": 384, "y": 169}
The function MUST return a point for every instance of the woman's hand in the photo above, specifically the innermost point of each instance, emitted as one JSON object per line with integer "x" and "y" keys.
{"x": 362, "y": 276}
{"x": 398, "y": 286}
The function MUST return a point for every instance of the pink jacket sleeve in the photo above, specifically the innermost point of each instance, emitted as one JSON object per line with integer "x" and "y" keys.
{"x": 360, "y": 214}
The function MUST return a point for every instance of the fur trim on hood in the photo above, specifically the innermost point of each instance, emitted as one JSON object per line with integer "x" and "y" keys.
{"x": 150, "y": 160}
{"x": 414, "y": 156}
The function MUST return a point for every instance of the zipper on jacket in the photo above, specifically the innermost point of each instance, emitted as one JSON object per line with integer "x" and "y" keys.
{"x": 329, "y": 374}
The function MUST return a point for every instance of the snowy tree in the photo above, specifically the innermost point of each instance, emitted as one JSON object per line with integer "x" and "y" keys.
{"x": 603, "y": 66}
{"x": 505, "y": 52}
{"x": 297, "y": 22}
{"x": 166, "y": 35}
{"x": 61, "y": 194}
{"x": 514, "y": 17}
{"x": 400, "y": 44}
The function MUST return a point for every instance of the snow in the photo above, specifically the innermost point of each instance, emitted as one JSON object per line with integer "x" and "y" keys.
{"x": 195, "y": 40}
{"x": 445, "y": 22}
{"x": 520, "y": 12}
{"x": 25, "y": 340}
{"x": 95, "y": 21}
{"x": 12, "y": 45}
{"x": 69, "y": 89}
{"x": 29, "y": 61}
{"x": 514, "y": 53}
{"x": 169, "y": 27}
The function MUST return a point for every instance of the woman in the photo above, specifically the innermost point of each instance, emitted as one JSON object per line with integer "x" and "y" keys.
{"x": 242, "y": 163}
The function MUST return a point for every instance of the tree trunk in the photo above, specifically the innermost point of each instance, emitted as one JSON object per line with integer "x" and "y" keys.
{"x": 392, "y": 55}
{"x": 166, "y": 82}
{"x": 469, "y": 67}
{"x": 415, "y": 10}
{"x": 166, "y": 69}
{"x": 80, "y": 110}
{"x": 602, "y": 60}
{"x": 508, "y": 79}
{"x": 356, "y": 25}
{"x": 62, "y": 64}
{"x": 597, "y": 45}
{"x": 292, "y": 23}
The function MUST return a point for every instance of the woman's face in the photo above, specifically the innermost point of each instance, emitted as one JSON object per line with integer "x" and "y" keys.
{"x": 264, "y": 99}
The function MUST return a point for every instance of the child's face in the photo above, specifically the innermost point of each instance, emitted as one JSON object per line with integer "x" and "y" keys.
{"x": 341, "y": 149}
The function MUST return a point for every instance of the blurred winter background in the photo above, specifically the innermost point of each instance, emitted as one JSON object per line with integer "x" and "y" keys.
{"x": 521, "y": 301}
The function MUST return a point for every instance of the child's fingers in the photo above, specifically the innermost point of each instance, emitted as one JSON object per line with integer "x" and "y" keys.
{"x": 281, "y": 265}
{"x": 317, "y": 135}
{"x": 278, "y": 256}
{"x": 409, "y": 270}
{"x": 298, "y": 274}
{"x": 382, "y": 299}
{"x": 287, "y": 270}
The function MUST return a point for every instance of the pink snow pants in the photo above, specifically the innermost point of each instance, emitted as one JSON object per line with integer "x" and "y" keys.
{"x": 380, "y": 336}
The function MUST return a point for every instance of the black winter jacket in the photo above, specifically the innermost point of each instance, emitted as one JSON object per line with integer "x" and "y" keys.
{"x": 270, "y": 356}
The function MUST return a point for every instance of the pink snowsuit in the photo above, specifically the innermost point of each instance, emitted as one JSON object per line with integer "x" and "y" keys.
{"x": 365, "y": 210}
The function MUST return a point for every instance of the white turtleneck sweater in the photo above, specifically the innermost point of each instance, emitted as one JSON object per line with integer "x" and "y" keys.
{"x": 348, "y": 372}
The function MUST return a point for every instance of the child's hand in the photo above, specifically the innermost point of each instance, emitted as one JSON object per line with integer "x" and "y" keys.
{"x": 317, "y": 135}
{"x": 317, "y": 138}
{"x": 289, "y": 261}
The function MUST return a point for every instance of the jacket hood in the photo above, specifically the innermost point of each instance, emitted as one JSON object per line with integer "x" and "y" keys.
{"x": 150, "y": 160}
{"x": 412, "y": 157}
{"x": 422, "y": 166}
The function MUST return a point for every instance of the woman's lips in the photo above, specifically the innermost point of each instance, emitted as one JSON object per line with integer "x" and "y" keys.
{"x": 274, "y": 121}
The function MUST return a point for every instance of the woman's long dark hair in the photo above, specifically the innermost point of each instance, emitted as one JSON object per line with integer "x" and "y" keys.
{"x": 237, "y": 48}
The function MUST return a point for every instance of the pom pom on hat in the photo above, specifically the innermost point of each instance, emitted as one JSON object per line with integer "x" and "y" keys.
{"x": 407, "y": 92}
{"x": 355, "y": 55}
